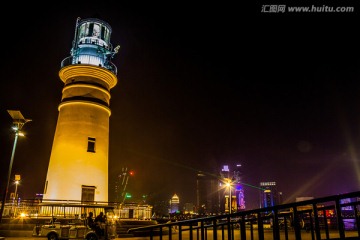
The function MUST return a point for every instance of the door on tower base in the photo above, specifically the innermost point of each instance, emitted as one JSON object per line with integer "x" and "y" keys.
{"x": 87, "y": 194}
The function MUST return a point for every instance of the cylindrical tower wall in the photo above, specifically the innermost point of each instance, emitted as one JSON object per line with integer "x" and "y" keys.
{"x": 71, "y": 164}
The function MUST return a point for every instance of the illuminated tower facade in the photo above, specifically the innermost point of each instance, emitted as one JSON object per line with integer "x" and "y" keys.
{"x": 235, "y": 191}
{"x": 78, "y": 166}
{"x": 174, "y": 204}
{"x": 239, "y": 189}
{"x": 268, "y": 194}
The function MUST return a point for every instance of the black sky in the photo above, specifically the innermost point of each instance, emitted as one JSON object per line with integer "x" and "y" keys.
{"x": 199, "y": 86}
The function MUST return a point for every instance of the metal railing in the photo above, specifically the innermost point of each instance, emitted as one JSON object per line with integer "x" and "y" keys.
{"x": 332, "y": 217}
{"x": 88, "y": 59}
{"x": 33, "y": 208}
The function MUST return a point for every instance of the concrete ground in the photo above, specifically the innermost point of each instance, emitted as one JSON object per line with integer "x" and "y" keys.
{"x": 268, "y": 235}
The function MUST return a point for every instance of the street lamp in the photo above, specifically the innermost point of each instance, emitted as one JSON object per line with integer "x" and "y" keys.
{"x": 15, "y": 199}
{"x": 16, "y": 186}
{"x": 228, "y": 184}
{"x": 18, "y": 123}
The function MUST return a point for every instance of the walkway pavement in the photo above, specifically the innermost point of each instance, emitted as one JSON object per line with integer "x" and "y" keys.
{"x": 268, "y": 235}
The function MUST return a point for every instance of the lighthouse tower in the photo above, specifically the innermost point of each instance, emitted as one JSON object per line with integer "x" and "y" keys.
{"x": 78, "y": 166}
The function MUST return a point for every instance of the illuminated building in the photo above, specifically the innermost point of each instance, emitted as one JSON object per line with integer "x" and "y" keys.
{"x": 239, "y": 189}
{"x": 240, "y": 197}
{"x": 268, "y": 194}
{"x": 174, "y": 204}
{"x": 213, "y": 194}
{"x": 235, "y": 191}
{"x": 78, "y": 166}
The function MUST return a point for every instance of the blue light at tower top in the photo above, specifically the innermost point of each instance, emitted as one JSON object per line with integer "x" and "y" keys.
{"x": 91, "y": 45}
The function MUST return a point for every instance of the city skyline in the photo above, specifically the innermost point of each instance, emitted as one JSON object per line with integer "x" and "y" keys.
{"x": 199, "y": 87}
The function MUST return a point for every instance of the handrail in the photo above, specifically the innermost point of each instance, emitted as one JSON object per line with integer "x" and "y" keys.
{"x": 322, "y": 215}
{"x": 336, "y": 215}
{"x": 107, "y": 64}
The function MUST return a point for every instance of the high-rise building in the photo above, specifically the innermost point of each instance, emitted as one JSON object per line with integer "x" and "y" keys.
{"x": 226, "y": 190}
{"x": 268, "y": 194}
{"x": 217, "y": 192}
{"x": 231, "y": 186}
{"x": 238, "y": 189}
{"x": 78, "y": 166}
{"x": 207, "y": 194}
{"x": 174, "y": 204}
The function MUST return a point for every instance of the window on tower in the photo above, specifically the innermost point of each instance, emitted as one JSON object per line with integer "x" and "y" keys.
{"x": 91, "y": 144}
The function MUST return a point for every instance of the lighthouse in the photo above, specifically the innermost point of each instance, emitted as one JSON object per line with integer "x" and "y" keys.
{"x": 78, "y": 165}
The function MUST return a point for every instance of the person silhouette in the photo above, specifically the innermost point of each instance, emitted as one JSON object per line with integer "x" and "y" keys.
{"x": 100, "y": 222}
{"x": 90, "y": 221}
{"x": 100, "y": 218}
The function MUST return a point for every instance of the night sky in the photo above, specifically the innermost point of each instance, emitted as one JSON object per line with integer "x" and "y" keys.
{"x": 200, "y": 86}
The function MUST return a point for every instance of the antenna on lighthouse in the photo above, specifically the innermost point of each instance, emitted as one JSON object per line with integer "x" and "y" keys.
{"x": 116, "y": 50}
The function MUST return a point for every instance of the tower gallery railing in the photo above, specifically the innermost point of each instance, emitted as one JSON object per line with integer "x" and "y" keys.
{"x": 95, "y": 60}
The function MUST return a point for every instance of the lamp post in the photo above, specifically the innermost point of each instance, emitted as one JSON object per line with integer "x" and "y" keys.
{"x": 229, "y": 185}
{"x": 15, "y": 199}
{"x": 16, "y": 186}
{"x": 18, "y": 123}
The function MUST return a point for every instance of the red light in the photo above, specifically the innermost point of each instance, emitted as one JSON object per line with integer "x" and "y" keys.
{"x": 131, "y": 173}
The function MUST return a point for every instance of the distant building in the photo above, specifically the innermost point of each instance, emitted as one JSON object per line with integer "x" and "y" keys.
{"x": 239, "y": 197}
{"x": 134, "y": 211}
{"x": 236, "y": 190}
{"x": 207, "y": 194}
{"x": 213, "y": 194}
{"x": 268, "y": 194}
{"x": 239, "y": 189}
{"x": 189, "y": 208}
{"x": 174, "y": 204}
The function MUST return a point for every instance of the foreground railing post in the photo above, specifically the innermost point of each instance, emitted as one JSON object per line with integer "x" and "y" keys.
{"x": 170, "y": 232}
{"x": 228, "y": 219}
{"x": 214, "y": 229}
{"x": 260, "y": 227}
{"x": 160, "y": 232}
{"x": 276, "y": 231}
{"x": 191, "y": 231}
{"x": 296, "y": 224}
{"x": 251, "y": 229}
{"x": 242, "y": 228}
{"x": 326, "y": 227}
{"x": 180, "y": 232}
{"x": 339, "y": 219}
{"x": 202, "y": 230}
{"x": 316, "y": 220}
